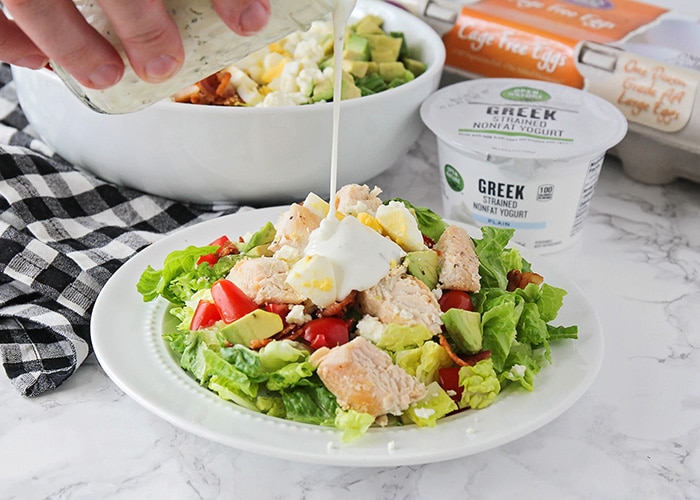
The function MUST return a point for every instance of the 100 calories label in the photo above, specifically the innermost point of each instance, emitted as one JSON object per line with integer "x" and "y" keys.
{"x": 522, "y": 154}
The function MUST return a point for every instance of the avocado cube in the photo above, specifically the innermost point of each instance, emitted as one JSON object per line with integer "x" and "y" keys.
{"x": 384, "y": 48}
{"x": 423, "y": 264}
{"x": 357, "y": 69}
{"x": 369, "y": 24}
{"x": 322, "y": 91}
{"x": 463, "y": 330}
{"x": 414, "y": 66}
{"x": 404, "y": 46}
{"x": 256, "y": 325}
{"x": 356, "y": 48}
{"x": 348, "y": 88}
{"x": 390, "y": 71}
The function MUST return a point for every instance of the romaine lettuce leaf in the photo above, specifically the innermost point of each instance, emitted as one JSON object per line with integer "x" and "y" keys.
{"x": 424, "y": 362}
{"x": 480, "y": 383}
{"x": 178, "y": 267}
{"x": 435, "y": 405}
{"x": 313, "y": 403}
{"x": 353, "y": 423}
{"x": 500, "y": 314}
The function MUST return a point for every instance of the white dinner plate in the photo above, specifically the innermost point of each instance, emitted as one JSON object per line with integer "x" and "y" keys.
{"x": 126, "y": 335}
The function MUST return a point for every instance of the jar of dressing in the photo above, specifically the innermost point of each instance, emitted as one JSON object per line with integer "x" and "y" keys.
{"x": 209, "y": 46}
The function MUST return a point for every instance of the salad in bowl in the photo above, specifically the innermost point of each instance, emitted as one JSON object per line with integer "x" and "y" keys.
{"x": 365, "y": 313}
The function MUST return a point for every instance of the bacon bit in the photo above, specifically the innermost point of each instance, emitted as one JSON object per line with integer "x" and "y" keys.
{"x": 338, "y": 308}
{"x": 470, "y": 360}
{"x": 214, "y": 90}
{"x": 290, "y": 332}
{"x": 228, "y": 248}
{"x": 517, "y": 279}
{"x": 222, "y": 89}
{"x": 257, "y": 344}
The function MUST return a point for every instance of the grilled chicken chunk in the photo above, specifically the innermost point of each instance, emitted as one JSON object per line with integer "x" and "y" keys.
{"x": 263, "y": 280}
{"x": 458, "y": 262}
{"x": 353, "y": 198}
{"x": 402, "y": 299}
{"x": 294, "y": 227}
{"x": 363, "y": 378}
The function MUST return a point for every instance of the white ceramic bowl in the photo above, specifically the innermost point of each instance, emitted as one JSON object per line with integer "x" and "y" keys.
{"x": 251, "y": 156}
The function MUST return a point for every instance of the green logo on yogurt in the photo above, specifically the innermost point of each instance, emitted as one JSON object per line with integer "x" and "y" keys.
{"x": 525, "y": 94}
{"x": 454, "y": 179}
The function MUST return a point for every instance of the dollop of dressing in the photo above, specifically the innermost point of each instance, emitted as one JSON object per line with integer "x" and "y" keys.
{"x": 360, "y": 256}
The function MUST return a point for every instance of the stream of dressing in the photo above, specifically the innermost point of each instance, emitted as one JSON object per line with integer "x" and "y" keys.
{"x": 341, "y": 15}
{"x": 340, "y": 243}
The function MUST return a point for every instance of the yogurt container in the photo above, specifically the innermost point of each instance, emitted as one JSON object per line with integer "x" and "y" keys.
{"x": 521, "y": 154}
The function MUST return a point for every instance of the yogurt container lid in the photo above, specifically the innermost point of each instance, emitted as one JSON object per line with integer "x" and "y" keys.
{"x": 523, "y": 119}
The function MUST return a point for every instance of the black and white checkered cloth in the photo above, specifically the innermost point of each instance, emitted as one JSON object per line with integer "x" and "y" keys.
{"x": 63, "y": 233}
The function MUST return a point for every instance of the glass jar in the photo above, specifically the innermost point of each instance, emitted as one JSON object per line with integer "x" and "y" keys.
{"x": 209, "y": 47}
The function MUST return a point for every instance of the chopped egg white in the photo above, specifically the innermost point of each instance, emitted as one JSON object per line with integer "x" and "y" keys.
{"x": 297, "y": 316}
{"x": 316, "y": 204}
{"x": 313, "y": 277}
{"x": 345, "y": 243}
{"x": 370, "y": 328}
{"x": 400, "y": 224}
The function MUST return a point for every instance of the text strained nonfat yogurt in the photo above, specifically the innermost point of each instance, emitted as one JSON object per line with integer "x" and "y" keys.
{"x": 522, "y": 154}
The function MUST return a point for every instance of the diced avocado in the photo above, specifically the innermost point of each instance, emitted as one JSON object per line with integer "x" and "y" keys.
{"x": 404, "y": 46}
{"x": 369, "y": 24}
{"x": 463, "y": 329}
{"x": 348, "y": 88}
{"x": 384, "y": 48}
{"x": 423, "y": 264}
{"x": 328, "y": 44}
{"x": 414, "y": 66}
{"x": 256, "y": 325}
{"x": 260, "y": 240}
{"x": 358, "y": 69}
{"x": 323, "y": 91}
{"x": 372, "y": 67}
{"x": 356, "y": 48}
{"x": 392, "y": 70}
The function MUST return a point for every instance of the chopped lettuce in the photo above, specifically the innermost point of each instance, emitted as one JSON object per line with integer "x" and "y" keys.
{"x": 393, "y": 337}
{"x": 424, "y": 362}
{"x": 480, "y": 383}
{"x": 435, "y": 405}
{"x": 311, "y": 403}
{"x": 353, "y": 423}
{"x": 179, "y": 278}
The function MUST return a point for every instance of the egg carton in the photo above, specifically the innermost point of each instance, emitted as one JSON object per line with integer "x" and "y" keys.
{"x": 644, "y": 59}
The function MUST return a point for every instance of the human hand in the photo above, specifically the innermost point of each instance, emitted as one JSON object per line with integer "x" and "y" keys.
{"x": 39, "y": 30}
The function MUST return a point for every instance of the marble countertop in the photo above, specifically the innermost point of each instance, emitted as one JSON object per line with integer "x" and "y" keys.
{"x": 634, "y": 434}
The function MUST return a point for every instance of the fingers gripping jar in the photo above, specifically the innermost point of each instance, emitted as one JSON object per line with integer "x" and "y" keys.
{"x": 209, "y": 46}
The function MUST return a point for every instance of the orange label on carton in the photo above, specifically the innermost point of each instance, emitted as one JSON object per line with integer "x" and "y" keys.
{"x": 648, "y": 92}
{"x": 538, "y": 38}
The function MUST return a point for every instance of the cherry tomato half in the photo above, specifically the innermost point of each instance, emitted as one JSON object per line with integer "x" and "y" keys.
{"x": 230, "y": 300}
{"x": 449, "y": 380}
{"x": 213, "y": 258}
{"x": 326, "y": 332}
{"x": 205, "y": 315}
{"x": 455, "y": 299}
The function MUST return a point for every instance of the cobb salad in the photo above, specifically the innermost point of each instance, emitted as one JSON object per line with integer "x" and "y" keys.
{"x": 381, "y": 314}
{"x": 298, "y": 69}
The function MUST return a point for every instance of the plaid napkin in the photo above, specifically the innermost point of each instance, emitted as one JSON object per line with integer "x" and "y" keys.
{"x": 63, "y": 233}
